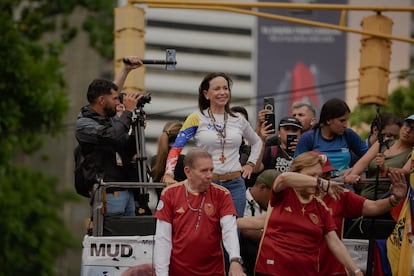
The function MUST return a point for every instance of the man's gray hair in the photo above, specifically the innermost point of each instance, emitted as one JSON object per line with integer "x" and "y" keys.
{"x": 303, "y": 103}
{"x": 193, "y": 154}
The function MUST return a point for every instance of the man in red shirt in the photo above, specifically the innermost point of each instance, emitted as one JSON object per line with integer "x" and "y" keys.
{"x": 194, "y": 218}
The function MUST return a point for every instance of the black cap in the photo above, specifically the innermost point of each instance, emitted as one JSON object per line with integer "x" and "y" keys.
{"x": 290, "y": 121}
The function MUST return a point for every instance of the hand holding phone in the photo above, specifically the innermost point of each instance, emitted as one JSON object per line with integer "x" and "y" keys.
{"x": 269, "y": 104}
{"x": 270, "y": 120}
{"x": 291, "y": 142}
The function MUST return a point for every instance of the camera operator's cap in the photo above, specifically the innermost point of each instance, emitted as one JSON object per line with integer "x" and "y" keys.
{"x": 410, "y": 118}
{"x": 327, "y": 166}
{"x": 267, "y": 177}
{"x": 290, "y": 121}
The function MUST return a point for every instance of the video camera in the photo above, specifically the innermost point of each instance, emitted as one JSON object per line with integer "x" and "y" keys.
{"x": 144, "y": 100}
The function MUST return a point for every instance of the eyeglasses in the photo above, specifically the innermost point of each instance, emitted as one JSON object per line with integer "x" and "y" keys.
{"x": 410, "y": 125}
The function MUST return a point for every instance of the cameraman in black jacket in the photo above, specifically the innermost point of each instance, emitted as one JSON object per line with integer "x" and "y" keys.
{"x": 100, "y": 131}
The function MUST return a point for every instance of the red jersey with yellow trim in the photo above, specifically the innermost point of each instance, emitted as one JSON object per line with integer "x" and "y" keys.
{"x": 293, "y": 235}
{"x": 195, "y": 251}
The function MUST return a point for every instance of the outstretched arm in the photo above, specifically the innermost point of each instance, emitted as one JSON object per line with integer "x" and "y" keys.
{"x": 362, "y": 163}
{"x": 252, "y": 223}
{"x": 381, "y": 206}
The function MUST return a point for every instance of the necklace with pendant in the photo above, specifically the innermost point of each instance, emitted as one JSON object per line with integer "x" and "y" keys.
{"x": 303, "y": 209}
{"x": 303, "y": 201}
{"x": 199, "y": 209}
{"x": 221, "y": 132}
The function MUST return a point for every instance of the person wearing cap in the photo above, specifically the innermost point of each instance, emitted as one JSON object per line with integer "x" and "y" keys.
{"x": 257, "y": 199}
{"x": 395, "y": 157}
{"x": 278, "y": 151}
{"x": 257, "y": 196}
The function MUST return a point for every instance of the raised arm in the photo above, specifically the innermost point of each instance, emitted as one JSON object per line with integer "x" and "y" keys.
{"x": 121, "y": 77}
{"x": 298, "y": 180}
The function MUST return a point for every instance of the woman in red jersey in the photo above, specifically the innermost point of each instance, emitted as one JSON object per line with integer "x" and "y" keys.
{"x": 298, "y": 221}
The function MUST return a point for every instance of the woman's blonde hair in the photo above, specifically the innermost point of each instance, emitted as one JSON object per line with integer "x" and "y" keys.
{"x": 167, "y": 137}
{"x": 304, "y": 160}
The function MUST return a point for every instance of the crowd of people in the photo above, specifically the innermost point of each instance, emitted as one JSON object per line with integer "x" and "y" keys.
{"x": 276, "y": 198}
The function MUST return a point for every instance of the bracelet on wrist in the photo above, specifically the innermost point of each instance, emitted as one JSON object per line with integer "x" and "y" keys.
{"x": 319, "y": 183}
{"x": 393, "y": 201}
{"x": 327, "y": 187}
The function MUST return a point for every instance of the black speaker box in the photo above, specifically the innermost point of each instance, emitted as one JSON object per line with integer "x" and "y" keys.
{"x": 129, "y": 225}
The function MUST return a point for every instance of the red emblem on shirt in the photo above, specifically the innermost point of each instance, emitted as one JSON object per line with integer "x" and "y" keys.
{"x": 314, "y": 218}
{"x": 208, "y": 209}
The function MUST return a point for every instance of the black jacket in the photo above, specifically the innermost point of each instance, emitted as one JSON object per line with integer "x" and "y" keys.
{"x": 106, "y": 136}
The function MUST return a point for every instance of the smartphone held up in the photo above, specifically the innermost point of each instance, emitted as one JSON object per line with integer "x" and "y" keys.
{"x": 290, "y": 138}
{"x": 269, "y": 104}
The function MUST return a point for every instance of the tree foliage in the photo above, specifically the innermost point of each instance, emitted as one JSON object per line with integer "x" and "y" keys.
{"x": 33, "y": 232}
{"x": 33, "y": 104}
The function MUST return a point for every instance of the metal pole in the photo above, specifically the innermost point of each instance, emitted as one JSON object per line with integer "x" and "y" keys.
{"x": 275, "y": 5}
{"x": 232, "y": 7}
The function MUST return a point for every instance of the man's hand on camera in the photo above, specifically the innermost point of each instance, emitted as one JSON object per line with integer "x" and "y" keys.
{"x": 130, "y": 100}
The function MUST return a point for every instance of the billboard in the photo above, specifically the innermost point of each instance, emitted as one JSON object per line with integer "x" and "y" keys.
{"x": 297, "y": 62}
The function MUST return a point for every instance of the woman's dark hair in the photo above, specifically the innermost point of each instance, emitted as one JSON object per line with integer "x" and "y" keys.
{"x": 203, "y": 103}
{"x": 331, "y": 109}
{"x": 386, "y": 119}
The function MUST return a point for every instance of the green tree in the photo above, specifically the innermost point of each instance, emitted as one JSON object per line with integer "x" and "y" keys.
{"x": 400, "y": 102}
{"x": 33, "y": 104}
